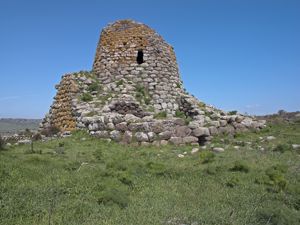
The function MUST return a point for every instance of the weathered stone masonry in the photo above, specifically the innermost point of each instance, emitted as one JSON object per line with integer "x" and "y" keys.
{"x": 134, "y": 94}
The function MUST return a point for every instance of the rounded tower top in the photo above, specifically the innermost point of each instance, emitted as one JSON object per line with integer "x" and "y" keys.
{"x": 133, "y": 54}
{"x": 123, "y": 39}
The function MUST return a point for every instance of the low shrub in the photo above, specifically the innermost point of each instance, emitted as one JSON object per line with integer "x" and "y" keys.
{"x": 179, "y": 114}
{"x": 207, "y": 157}
{"x": 36, "y": 137}
{"x": 232, "y": 182}
{"x": 213, "y": 170}
{"x": 125, "y": 178}
{"x": 98, "y": 154}
{"x": 234, "y": 112}
{"x": 60, "y": 149}
{"x": 72, "y": 166}
{"x": 147, "y": 100}
{"x": 94, "y": 87}
{"x": 160, "y": 115}
{"x": 278, "y": 215}
{"x": 114, "y": 195}
{"x": 156, "y": 168}
{"x": 2, "y": 143}
{"x": 32, "y": 151}
{"x": 50, "y": 131}
{"x": 240, "y": 166}
{"x": 274, "y": 178}
{"x": 282, "y": 148}
{"x": 201, "y": 105}
{"x": 86, "y": 97}
{"x": 119, "y": 82}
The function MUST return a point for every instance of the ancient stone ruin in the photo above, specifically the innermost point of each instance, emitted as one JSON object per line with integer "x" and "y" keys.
{"x": 134, "y": 94}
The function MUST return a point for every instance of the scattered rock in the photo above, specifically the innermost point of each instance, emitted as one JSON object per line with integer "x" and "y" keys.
{"x": 270, "y": 138}
{"x": 295, "y": 146}
{"x": 218, "y": 149}
{"x": 25, "y": 141}
{"x": 195, "y": 150}
{"x": 180, "y": 156}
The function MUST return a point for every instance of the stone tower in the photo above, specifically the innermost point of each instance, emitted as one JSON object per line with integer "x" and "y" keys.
{"x": 134, "y": 94}
{"x": 135, "y": 53}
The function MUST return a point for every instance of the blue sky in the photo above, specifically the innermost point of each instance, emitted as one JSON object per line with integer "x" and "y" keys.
{"x": 235, "y": 55}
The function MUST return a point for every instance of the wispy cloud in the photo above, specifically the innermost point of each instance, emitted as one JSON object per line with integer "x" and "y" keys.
{"x": 9, "y": 98}
{"x": 254, "y": 106}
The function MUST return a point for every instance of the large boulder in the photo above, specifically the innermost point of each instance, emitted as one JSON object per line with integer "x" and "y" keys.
{"x": 115, "y": 135}
{"x": 190, "y": 139}
{"x": 176, "y": 140}
{"x": 141, "y": 137}
{"x": 166, "y": 135}
{"x": 127, "y": 137}
{"x": 182, "y": 131}
{"x": 201, "y": 131}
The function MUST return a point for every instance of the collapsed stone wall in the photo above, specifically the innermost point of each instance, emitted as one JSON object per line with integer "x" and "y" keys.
{"x": 61, "y": 112}
{"x": 129, "y": 100}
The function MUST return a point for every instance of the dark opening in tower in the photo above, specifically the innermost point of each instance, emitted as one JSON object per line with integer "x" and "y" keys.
{"x": 140, "y": 57}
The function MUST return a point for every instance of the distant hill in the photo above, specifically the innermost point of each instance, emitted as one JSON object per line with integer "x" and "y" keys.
{"x": 9, "y": 126}
{"x": 281, "y": 116}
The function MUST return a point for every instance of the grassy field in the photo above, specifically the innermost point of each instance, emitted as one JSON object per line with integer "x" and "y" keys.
{"x": 82, "y": 180}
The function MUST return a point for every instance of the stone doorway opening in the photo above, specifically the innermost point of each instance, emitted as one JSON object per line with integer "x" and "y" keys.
{"x": 140, "y": 57}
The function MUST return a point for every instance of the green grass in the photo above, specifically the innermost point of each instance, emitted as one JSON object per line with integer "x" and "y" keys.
{"x": 94, "y": 182}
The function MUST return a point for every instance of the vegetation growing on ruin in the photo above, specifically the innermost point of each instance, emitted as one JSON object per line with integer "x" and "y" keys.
{"x": 86, "y": 97}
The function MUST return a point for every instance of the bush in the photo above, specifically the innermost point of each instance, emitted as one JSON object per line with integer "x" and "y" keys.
{"x": 114, "y": 195}
{"x": 278, "y": 215}
{"x": 213, "y": 170}
{"x": 160, "y": 115}
{"x": 98, "y": 154}
{"x": 240, "y": 166}
{"x": 274, "y": 177}
{"x": 86, "y": 97}
{"x": 125, "y": 178}
{"x": 156, "y": 168}
{"x": 50, "y": 131}
{"x": 36, "y": 137}
{"x": 2, "y": 143}
{"x": 234, "y": 112}
{"x": 282, "y": 148}
{"x": 201, "y": 105}
{"x": 93, "y": 87}
{"x": 147, "y": 100}
{"x": 119, "y": 82}
{"x": 72, "y": 166}
{"x": 179, "y": 114}
{"x": 234, "y": 181}
{"x": 207, "y": 157}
